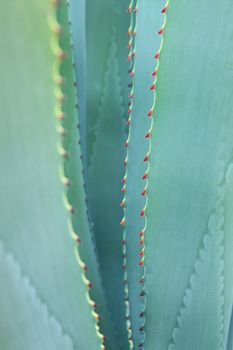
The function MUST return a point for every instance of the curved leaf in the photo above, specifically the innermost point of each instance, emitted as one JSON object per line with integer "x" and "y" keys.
{"x": 191, "y": 149}
{"x": 25, "y": 322}
{"x": 105, "y": 182}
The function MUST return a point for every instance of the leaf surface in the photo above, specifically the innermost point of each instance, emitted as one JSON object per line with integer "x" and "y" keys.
{"x": 190, "y": 153}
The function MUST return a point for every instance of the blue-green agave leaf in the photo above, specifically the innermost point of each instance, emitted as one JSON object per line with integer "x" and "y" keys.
{"x": 105, "y": 183}
{"x": 77, "y": 16}
{"x": 188, "y": 235}
{"x": 148, "y": 21}
{"x": 230, "y": 335}
{"x": 33, "y": 217}
{"x": 74, "y": 190}
{"x": 26, "y": 323}
{"x": 102, "y": 18}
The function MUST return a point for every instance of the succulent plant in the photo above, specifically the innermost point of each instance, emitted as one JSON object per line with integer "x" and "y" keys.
{"x": 116, "y": 187}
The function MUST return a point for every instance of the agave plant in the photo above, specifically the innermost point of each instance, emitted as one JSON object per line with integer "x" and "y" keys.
{"x": 116, "y": 187}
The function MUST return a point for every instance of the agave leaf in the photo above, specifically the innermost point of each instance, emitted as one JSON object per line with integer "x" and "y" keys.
{"x": 191, "y": 149}
{"x": 33, "y": 218}
{"x": 105, "y": 182}
{"x": 101, "y": 19}
{"x": 25, "y": 323}
{"x": 148, "y": 21}
{"x": 228, "y": 256}
{"x": 106, "y": 114}
{"x": 209, "y": 293}
{"x": 75, "y": 190}
{"x": 77, "y": 15}
{"x": 230, "y": 335}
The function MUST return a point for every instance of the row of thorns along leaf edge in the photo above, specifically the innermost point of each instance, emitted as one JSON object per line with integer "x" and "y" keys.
{"x": 58, "y": 79}
{"x": 131, "y": 46}
{"x": 60, "y": 56}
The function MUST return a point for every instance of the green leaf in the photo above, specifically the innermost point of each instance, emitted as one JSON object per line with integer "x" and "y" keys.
{"x": 191, "y": 148}
{"x": 33, "y": 218}
{"x": 148, "y": 21}
{"x": 75, "y": 191}
{"x": 26, "y": 323}
{"x": 77, "y": 15}
{"x": 102, "y": 18}
{"x": 105, "y": 182}
{"x": 228, "y": 256}
{"x": 230, "y": 335}
{"x": 210, "y": 290}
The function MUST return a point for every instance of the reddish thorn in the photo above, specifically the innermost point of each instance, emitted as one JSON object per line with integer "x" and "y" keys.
{"x": 135, "y": 10}
{"x": 89, "y": 285}
{"x": 129, "y": 45}
{"x": 98, "y": 317}
{"x": 157, "y": 55}
{"x": 124, "y": 180}
{"x": 77, "y": 239}
{"x": 143, "y": 192}
{"x": 132, "y": 74}
{"x": 61, "y": 55}
{"x": 160, "y": 31}
{"x": 152, "y": 87}
{"x": 122, "y": 222}
{"x": 123, "y": 189}
{"x": 122, "y": 204}
{"x": 140, "y": 263}
{"x": 141, "y": 281}
{"x": 141, "y": 253}
{"x": 60, "y": 116}
{"x": 125, "y": 162}
{"x": 141, "y": 241}
{"x": 129, "y": 57}
{"x": 133, "y": 54}
{"x": 142, "y": 212}
{"x": 71, "y": 210}
{"x": 129, "y": 32}
{"x": 129, "y": 9}
{"x": 59, "y": 80}
{"x": 149, "y": 113}
{"x": 128, "y": 121}
{"x": 141, "y": 233}
{"x": 130, "y": 95}
{"x": 126, "y": 144}
{"x": 134, "y": 33}
{"x": 144, "y": 176}
{"x": 61, "y": 97}
{"x": 94, "y": 306}
{"x": 147, "y": 136}
{"x": 164, "y": 10}
{"x": 146, "y": 158}
{"x": 154, "y": 73}
{"x": 129, "y": 110}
